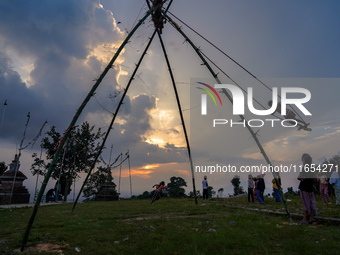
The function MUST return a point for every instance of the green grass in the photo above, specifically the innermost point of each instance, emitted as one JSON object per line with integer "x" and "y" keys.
{"x": 178, "y": 227}
{"x": 294, "y": 204}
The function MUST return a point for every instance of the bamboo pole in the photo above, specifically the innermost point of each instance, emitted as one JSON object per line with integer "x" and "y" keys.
{"x": 36, "y": 183}
{"x": 18, "y": 158}
{"x": 73, "y": 122}
{"x": 180, "y": 113}
{"x": 231, "y": 100}
{"x": 113, "y": 119}
{"x": 120, "y": 172}
{"x": 3, "y": 115}
{"x": 130, "y": 173}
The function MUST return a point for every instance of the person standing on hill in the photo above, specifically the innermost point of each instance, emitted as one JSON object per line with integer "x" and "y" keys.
{"x": 306, "y": 178}
{"x": 260, "y": 189}
{"x": 205, "y": 188}
{"x": 323, "y": 182}
{"x": 276, "y": 190}
{"x": 250, "y": 188}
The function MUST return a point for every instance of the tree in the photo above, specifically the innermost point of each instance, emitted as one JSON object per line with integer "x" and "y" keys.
{"x": 145, "y": 195}
{"x": 290, "y": 190}
{"x": 198, "y": 194}
{"x": 3, "y": 167}
{"x": 77, "y": 156}
{"x": 236, "y": 183}
{"x": 211, "y": 192}
{"x": 95, "y": 183}
{"x": 175, "y": 187}
{"x": 220, "y": 192}
{"x": 335, "y": 160}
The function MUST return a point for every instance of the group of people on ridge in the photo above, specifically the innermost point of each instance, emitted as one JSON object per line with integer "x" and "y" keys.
{"x": 256, "y": 187}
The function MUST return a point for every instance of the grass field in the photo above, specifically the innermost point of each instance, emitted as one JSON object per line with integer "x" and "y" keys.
{"x": 170, "y": 226}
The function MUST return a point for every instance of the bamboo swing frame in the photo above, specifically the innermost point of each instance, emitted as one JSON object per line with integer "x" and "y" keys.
{"x": 92, "y": 92}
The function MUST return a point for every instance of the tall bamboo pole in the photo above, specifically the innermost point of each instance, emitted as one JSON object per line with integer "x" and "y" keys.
{"x": 120, "y": 172}
{"x": 130, "y": 173}
{"x": 73, "y": 122}
{"x": 36, "y": 183}
{"x": 109, "y": 175}
{"x": 59, "y": 183}
{"x": 18, "y": 158}
{"x": 3, "y": 115}
{"x": 180, "y": 113}
{"x": 231, "y": 100}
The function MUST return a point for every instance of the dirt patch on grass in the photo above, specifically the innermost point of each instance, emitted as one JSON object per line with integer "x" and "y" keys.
{"x": 143, "y": 218}
{"x": 48, "y": 247}
{"x": 157, "y": 217}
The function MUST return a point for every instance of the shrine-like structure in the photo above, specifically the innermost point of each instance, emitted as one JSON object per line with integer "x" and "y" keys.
{"x": 12, "y": 190}
{"x": 20, "y": 193}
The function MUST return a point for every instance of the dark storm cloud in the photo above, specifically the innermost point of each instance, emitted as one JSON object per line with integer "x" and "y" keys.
{"x": 16, "y": 93}
{"x": 36, "y": 27}
{"x": 56, "y": 37}
{"x": 138, "y": 118}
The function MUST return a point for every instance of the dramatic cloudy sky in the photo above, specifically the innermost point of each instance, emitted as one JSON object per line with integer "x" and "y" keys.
{"x": 52, "y": 51}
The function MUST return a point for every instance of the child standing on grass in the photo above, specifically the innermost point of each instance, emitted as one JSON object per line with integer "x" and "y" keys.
{"x": 323, "y": 181}
{"x": 306, "y": 190}
{"x": 157, "y": 194}
{"x": 260, "y": 189}
{"x": 276, "y": 190}
{"x": 250, "y": 188}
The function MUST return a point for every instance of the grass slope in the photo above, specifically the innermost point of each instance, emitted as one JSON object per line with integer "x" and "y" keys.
{"x": 169, "y": 226}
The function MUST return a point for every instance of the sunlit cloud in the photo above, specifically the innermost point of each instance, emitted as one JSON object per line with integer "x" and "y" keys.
{"x": 151, "y": 166}
{"x": 120, "y": 73}
{"x": 23, "y": 65}
{"x": 183, "y": 172}
{"x": 105, "y": 52}
{"x": 156, "y": 141}
{"x": 143, "y": 173}
{"x": 166, "y": 129}
{"x": 279, "y": 149}
{"x": 328, "y": 135}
